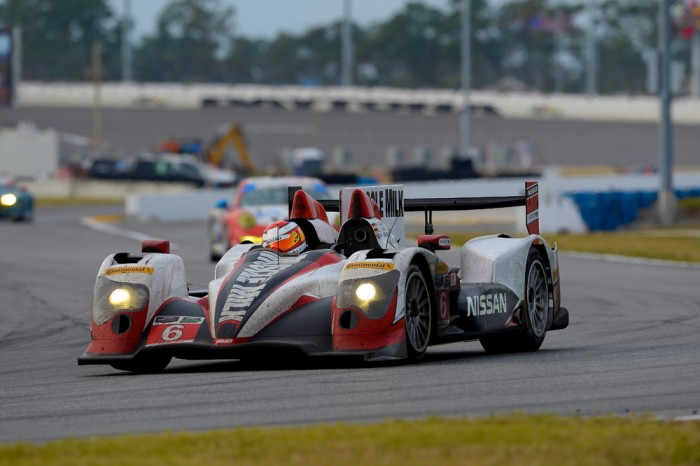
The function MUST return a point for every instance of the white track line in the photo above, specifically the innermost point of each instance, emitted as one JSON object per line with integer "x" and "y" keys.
{"x": 693, "y": 417}
{"x": 115, "y": 230}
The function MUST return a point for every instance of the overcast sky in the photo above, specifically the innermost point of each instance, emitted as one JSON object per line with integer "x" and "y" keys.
{"x": 265, "y": 18}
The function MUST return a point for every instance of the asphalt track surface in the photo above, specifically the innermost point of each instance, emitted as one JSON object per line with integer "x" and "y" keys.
{"x": 632, "y": 346}
{"x": 368, "y": 135}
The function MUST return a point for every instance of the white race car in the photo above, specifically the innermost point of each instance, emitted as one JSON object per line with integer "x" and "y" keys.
{"x": 357, "y": 291}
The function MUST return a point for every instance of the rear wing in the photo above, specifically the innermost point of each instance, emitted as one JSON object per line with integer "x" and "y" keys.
{"x": 429, "y": 205}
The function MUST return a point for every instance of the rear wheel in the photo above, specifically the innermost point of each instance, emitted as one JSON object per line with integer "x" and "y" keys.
{"x": 144, "y": 363}
{"x": 418, "y": 314}
{"x": 534, "y": 313}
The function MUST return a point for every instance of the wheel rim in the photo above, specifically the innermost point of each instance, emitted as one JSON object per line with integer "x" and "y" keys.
{"x": 417, "y": 313}
{"x": 537, "y": 298}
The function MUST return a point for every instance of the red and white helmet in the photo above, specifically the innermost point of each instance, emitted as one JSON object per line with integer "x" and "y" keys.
{"x": 285, "y": 237}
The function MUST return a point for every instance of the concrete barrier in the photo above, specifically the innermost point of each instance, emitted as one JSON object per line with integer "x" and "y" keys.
{"x": 571, "y": 204}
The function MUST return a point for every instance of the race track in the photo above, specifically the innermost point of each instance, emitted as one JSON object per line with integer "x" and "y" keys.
{"x": 632, "y": 346}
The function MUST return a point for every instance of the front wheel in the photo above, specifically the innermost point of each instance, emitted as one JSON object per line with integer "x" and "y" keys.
{"x": 534, "y": 313}
{"x": 418, "y": 314}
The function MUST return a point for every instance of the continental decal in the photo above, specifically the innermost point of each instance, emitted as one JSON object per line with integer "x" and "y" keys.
{"x": 370, "y": 265}
{"x": 129, "y": 269}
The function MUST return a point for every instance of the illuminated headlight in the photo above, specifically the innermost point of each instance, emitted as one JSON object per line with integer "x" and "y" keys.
{"x": 371, "y": 295}
{"x": 113, "y": 297}
{"x": 246, "y": 220}
{"x": 121, "y": 298}
{"x": 366, "y": 292}
{"x": 8, "y": 199}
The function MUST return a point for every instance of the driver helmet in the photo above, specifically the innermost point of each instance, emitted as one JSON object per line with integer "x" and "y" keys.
{"x": 284, "y": 236}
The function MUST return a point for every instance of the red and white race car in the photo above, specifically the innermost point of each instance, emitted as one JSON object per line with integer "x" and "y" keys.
{"x": 258, "y": 201}
{"x": 358, "y": 291}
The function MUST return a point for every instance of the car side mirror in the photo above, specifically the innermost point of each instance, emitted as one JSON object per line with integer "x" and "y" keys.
{"x": 435, "y": 242}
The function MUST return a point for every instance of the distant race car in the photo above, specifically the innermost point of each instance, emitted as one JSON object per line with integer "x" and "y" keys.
{"x": 16, "y": 202}
{"x": 258, "y": 201}
{"x": 360, "y": 291}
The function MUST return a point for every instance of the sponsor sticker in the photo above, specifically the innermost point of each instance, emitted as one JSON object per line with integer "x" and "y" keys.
{"x": 129, "y": 269}
{"x": 443, "y": 309}
{"x": 370, "y": 265}
{"x": 532, "y": 216}
{"x": 166, "y": 320}
{"x": 532, "y": 190}
{"x": 250, "y": 282}
{"x": 163, "y": 320}
{"x": 389, "y": 200}
{"x": 487, "y": 303}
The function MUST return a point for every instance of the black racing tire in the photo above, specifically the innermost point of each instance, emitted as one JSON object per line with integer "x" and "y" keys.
{"x": 144, "y": 363}
{"x": 24, "y": 217}
{"x": 419, "y": 314}
{"x": 534, "y": 315}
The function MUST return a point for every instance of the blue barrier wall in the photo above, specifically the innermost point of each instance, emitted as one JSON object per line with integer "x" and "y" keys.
{"x": 607, "y": 211}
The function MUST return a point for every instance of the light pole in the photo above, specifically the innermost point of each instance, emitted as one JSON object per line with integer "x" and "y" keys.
{"x": 346, "y": 38}
{"x": 667, "y": 198}
{"x": 97, "y": 97}
{"x": 591, "y": 58}
{"x": 126, "y": 42}
{"x": 466, "y": 128}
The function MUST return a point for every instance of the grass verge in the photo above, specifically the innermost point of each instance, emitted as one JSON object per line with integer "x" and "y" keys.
{"x": 671, "y": 245}
{"x": 513, "y": 440}
{"x": 69, "y": 201}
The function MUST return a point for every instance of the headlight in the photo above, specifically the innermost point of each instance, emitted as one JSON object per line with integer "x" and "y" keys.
{"x": 371, "y": 295}
{"x": 246, "y": 220}
{"x": 8, "y": 199}
{"x": 113, "y": 297}
{"x": 366, "y": 292}
{"x": 123, "y": 298}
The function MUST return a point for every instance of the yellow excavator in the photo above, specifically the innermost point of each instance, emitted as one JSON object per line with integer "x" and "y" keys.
{"x": 231, "y": 134}
{"x": 213, "y": 152}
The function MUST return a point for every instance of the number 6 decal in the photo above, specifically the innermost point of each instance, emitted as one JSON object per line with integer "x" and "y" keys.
{"x": 173, "y": 332}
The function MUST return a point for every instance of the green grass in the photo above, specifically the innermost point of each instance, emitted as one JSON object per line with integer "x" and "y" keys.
{"x": 502, "y": 440}
{"x": 70, "y": 201}
{"x": 672, "y": 245}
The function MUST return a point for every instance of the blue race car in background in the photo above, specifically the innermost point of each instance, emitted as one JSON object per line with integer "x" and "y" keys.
{"x": 16, "y": 203}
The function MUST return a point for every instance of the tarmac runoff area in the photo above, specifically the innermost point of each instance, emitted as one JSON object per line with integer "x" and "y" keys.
{"x": 630, "y": 348}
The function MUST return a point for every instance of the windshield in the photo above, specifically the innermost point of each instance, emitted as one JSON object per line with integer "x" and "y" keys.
{"x": 275, "y": 196}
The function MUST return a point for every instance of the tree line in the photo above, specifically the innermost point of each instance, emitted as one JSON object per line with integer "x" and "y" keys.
{"x": 540, "y": 44}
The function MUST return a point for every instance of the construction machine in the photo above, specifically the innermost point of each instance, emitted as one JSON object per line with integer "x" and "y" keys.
{"x": 229, "y": 135}
{"x": 214, "y": 151}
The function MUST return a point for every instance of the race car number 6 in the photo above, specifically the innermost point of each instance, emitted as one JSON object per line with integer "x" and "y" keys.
{"x": 173, "y": 332}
